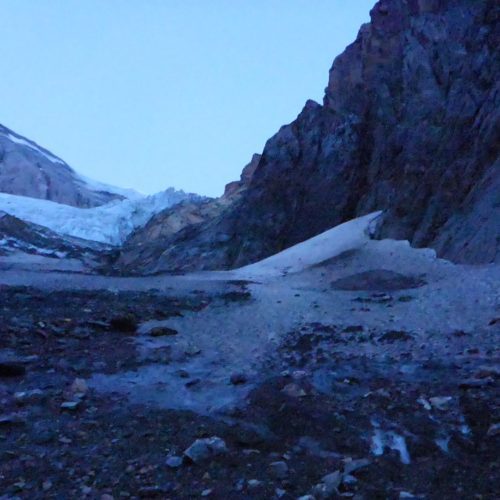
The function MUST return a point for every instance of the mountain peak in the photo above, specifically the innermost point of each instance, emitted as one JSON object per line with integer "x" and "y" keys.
{"x": 28, "y": 169}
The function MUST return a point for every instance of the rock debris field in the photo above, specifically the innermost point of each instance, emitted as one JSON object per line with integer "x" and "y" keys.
{"x": 373, "y": 374}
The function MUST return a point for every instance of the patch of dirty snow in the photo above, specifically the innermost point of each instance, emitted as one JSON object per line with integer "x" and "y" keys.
{"x": 348, "y": 236}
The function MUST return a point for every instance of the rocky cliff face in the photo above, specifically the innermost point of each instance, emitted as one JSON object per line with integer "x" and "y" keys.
{"x": 29, "y": 170}
{"x": 143, "y": 250}
{"x": 410, "y": 124}
{"x": 245, "y": 179}
{"x": 146, "y": 250}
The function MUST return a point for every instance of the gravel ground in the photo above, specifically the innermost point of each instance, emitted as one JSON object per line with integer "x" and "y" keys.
{"x": 374, "y": 375}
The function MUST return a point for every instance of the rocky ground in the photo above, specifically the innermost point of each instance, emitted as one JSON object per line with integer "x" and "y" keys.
{"x": 347, "y": 380}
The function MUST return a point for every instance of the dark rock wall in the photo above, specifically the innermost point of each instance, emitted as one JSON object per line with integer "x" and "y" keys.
{"x": 410, "y": 123}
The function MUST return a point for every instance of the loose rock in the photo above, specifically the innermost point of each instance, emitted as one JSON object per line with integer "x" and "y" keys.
{"x": 279, "y": 470}
{"x": 294, "y": 391}
{"x": 12, "y": 419}
{"x": 351, "y": 466}
{"x": 79, "y": 386}
{"x": 254, "y": 484}
{"x": 203, "y": 449}
{"x": 174, "y": 462}
{"x": 29, "y": 397}
{"x": 70, "y": 405}
{"x": 494, "y": 430}
{"x": 440, "y": 402}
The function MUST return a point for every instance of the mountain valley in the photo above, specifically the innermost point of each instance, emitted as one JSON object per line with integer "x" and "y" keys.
{"x": 327, "y": 328}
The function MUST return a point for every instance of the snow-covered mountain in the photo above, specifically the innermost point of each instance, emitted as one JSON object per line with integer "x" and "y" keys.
{"x": 110, "y": 223}
{"x": 38, "y": 187}
{"x": 27, "y": 169}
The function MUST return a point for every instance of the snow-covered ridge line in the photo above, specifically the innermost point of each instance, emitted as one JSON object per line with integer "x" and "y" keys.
{"x": 94, "y": 185}
{"x": 25, "y": 142}
{"x": 88, "y": 183}
{"x": 110, "y": 223}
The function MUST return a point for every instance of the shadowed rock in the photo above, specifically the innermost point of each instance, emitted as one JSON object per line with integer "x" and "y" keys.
{"x": 377, "y": 280}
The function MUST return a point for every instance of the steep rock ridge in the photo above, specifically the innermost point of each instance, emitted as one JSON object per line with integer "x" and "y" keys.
{"x": 29, "y": 170}
{"x": 424, "y": 78}
{"x": 410, "y": 124}
{"x": 245, "y": 178}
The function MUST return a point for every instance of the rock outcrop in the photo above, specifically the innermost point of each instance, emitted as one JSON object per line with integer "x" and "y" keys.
{"x": 146, "y": 249}
{"x": 27, "y": 169}
{"x": 410, "y": 124}
{"x": 245, "y": 179}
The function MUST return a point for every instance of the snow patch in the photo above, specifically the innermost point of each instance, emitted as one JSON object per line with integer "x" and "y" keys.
{"x": 15, "y": 244}
{"x": 347, "y": 236}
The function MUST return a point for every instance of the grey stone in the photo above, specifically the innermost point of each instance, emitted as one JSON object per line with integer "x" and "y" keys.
{"x": 174, "y": 462}
{"x": 204, "y": 449}
{"x": 493, "y": 430}
{"x": 162, "y": 331}
{"x": 12, "y": 419}
{"x": 33, "y": 396}
{"x": 279, "y": 469}
{"x": 254, "y": 484}
{"x": 333, "y": 480}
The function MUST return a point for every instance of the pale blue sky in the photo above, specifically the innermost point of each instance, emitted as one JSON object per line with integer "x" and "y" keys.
{"x": 156, "y": 93}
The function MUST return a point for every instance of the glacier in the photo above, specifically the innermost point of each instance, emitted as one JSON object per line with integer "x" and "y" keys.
{"x": 94, "y": 185}
{"x": 109, "y": 224}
